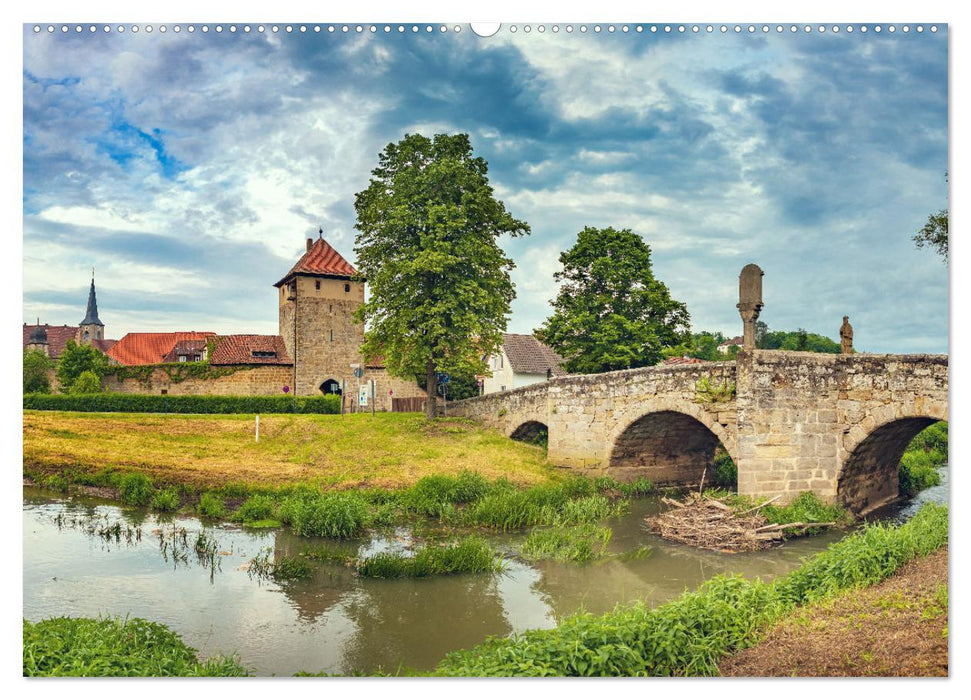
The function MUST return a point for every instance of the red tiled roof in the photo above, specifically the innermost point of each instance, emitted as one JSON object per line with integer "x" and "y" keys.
{"x": 150, "y": 348}
{"x": 57, "y": 337}
{"x": 103, "y": 344}
{"x": 320, "y": 259}
{"x": 527, "y": 355}
{"x": 737, "y": 340}
{"x": 683, "y": 361}
{"x": 240, "y": 349}
{"x": 187, "y": 348}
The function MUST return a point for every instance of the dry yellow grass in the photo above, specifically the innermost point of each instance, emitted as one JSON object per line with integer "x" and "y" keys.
{"x": 390, "y": 450}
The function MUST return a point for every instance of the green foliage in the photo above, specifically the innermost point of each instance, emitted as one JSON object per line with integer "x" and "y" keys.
{"x": 255, "y": 508}
{"x": 177, "y": 372}
{"x": 708, "y": 393}
{"x": 326, "y": 515}
{"x": 431, "y": 495}
{"x": 725, "y": 475}
{"x": 87, "y": 383}
{"x": 291, "y": 569}
{"x": 611, "y": 312}
{"x": 925, "y": 454}
{"x": 578, "y": 543}
{"x": 513, "y": 509}
{"x": 440, "y": 290}
{"x": 211, "y": 505}
{"x": 157, "y": 403}
{"x": 75, "y": 359}
{"x": 689, "y": 636}
{"x": 469, "y": 555}
{"x": 37, "y": 367}
{"x": 934, "y": 234}
{"x": 165, "y": 500}
{"x": 135, "y": 489}
{"x": 806, "y": 508}
{"x": 799, "y": 340}
{"x": 702, "y": 346}
{"x": 66, "y": 646}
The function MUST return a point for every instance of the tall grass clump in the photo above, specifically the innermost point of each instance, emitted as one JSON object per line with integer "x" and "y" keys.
{"x": 469, "y": 555}
{"x": 211, "y": 505}
{"x": 689, "y": 636}
{"x": 165, "y": 500}
{"x": 327, "y": 515}
{"x": 65, "y": 646}
{"x": 255, "y": 508}
{"x": 806, "y": 508}
{"x": 579, "y": 543}
{"x": 135, "y": 489}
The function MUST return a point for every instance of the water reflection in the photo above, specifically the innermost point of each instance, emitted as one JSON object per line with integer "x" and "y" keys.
{"x": 336, "y": 621}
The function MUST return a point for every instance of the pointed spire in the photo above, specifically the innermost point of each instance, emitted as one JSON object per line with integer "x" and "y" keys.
{"x": 91, "y": 316}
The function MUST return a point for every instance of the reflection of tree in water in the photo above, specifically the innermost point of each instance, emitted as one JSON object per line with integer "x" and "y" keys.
{"x": 416, "y": 622}
{"x": 328, "y": 582}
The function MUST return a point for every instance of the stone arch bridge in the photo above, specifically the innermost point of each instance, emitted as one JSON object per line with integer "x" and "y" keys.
{"x": 835, "y": 425}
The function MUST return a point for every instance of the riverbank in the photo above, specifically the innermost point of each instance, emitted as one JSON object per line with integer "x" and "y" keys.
{"x": 390, "y": 450}
{"x": 896, "y": 628}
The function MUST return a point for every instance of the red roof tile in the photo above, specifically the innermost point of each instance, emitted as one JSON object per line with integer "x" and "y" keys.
{"x": 57, "y": 337}
{"x": 103, "y": 344}
{"x": 320, "y": 259}
{"x": 737, "y": 340}
{"x": 150, "y": 348}
{"x": 249, "y": 350}
{"x": 186, "y": 348}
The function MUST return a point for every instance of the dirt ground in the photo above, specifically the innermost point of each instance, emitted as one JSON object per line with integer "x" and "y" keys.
{"x": 896, "y": 628}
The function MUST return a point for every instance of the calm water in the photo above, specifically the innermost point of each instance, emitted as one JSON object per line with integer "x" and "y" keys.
{"x": 336, "y": 621}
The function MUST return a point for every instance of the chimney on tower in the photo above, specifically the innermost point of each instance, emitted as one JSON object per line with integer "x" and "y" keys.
{"x": 310, "y": 244}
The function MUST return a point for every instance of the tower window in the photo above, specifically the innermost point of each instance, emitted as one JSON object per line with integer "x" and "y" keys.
{"x": 318, "y": 285}
{"x": 347, "y": 287}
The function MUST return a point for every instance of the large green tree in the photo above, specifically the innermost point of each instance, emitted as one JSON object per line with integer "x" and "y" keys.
{"x": 37, "y": 367}
{"x": 440, "y": 290}
{"x": 76, "y": 359}
{"x": 611, "y": 313}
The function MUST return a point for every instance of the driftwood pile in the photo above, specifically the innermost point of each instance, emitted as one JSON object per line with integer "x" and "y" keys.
{"x": 705, "y": 522}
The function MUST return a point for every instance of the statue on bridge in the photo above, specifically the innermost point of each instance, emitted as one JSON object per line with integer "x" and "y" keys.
{"x": 846, "y": 337}
{"x": 749, "y": 301}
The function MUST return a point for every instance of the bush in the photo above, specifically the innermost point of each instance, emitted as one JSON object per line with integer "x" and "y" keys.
{"x": 211, "y": 505}
{"x": 157, "y": 403}
{"x": 689, "y": 636}
{"x": 256, "y": 507}
{"x": 65, "y": 646}
{"x": 165, "y": 500}
{"x": 135, "y": 489}
{"x": 87, "y": 383}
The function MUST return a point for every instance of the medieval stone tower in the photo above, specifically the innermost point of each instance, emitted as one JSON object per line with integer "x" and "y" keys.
{"x": 318, "y": 299}
{"x": 91, "y": 328}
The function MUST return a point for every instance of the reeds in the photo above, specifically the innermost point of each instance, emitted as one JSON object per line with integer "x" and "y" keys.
{"x": 469, "y": 555}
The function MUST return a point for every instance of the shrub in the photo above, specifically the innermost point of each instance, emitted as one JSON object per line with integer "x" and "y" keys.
{"x": 256, "y": 507}
{"x": 211, "y": 505}
{"x": 66, "y": 646}
{"x": 87, "y": 383}
{"x": 135, "y": 489}
{"x": 157, "y": 403}
{"x": 690, "y": 635}
{"x": 165, "y": 500}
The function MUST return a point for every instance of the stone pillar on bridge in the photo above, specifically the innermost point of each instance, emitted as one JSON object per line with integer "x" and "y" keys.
{"x": 749, "y": 301}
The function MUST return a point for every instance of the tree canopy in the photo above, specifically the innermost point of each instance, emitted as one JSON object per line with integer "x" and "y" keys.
{"x": 797, "y": 340}
{"x": 934, "y": 234}
{"x": 76, "y": 359}
{"x": 37, "y": 366}
{"x": 703, "y": 346}
{"x": 611, "y": 313}
{"x": 440, "y": 290}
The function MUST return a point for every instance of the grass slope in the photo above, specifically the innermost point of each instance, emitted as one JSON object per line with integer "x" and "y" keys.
{"x": 391, "y": 450}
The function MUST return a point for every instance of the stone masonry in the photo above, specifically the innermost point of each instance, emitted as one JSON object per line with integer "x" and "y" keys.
{"x": 835, "y": 425}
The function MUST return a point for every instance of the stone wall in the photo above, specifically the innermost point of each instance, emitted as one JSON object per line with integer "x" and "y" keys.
{"x": 253, "y": 380}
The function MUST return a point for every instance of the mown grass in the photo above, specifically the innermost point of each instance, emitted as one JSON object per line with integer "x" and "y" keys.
{"x": 689, "y": 636}
{"x": 65, "y": 646}
{"x": 390, "y": 451}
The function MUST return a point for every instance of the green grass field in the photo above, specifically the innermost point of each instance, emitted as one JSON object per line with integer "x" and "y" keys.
{"x": 390, "y": 450}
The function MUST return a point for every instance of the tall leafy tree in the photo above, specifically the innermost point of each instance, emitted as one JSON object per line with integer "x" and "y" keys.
{"x": 37, "y": 367}
{"x": 934, "y": 234}
{"x": 76, "y": 359}
{"x": 611, "y": 313}
{"x": 440, "y": 290}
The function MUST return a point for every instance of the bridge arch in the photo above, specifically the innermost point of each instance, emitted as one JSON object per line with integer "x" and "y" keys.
{"x": 668, "y": 445}
{"x": 868, "y": 476}
{"x": 532, "y": 431}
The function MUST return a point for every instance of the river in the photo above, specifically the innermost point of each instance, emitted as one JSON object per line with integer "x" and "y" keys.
{"x": 336, "y": 621}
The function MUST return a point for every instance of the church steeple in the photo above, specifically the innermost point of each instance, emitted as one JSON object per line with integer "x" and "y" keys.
{"x": 91, "y": 328}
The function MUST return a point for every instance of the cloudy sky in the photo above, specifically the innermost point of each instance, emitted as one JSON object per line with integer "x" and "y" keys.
{"x": 189, "y": 168}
